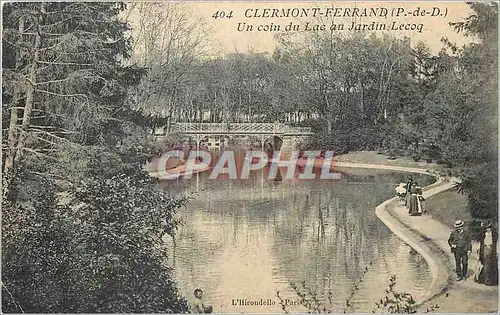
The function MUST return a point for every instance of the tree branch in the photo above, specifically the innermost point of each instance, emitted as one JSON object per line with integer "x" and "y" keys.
{"x": 64, "y": 95}
{"x": 65, "y": 63}
{"x": 53, "y": 81}
{"x": 10, "y": 294}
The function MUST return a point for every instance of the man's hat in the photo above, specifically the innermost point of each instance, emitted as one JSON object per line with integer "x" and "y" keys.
{"x": 459, "y": 223}
{"x": 486, "y": 224}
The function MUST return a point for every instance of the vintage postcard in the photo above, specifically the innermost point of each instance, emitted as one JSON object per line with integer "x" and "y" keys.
{"x": 249, "y": 157}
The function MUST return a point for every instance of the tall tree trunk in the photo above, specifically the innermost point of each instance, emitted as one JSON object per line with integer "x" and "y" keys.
{"x": 12, "y": 135}
{"x": 328, "y": 114}
{"x": 30, "y": 87}
{"x": 362, "y": 97}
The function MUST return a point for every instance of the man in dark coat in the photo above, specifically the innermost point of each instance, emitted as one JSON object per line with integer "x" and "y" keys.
{"x": 461, "y": 246}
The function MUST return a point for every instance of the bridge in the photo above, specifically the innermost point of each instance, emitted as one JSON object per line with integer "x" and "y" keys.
{"x": 280, "y": 135}
{"x": 240, "y": 129}
{"x": 284, "y": 134}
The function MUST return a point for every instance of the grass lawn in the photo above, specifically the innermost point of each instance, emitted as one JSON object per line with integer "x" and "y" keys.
{"x": 448, "y": 206}
{"x": 372, "y": 157}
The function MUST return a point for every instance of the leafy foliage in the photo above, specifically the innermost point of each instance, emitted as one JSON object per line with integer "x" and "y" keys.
{"x": 396, "y": 302}
{"x": 95, "y": 248}
{"x": 79, "y": 80}
{"x": 463, "y": 112}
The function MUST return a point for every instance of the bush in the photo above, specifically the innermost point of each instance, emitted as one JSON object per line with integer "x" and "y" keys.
{"x": 98, "y": 251}
{"x": 480, "y": 183}
{"x": 395, "y": 302}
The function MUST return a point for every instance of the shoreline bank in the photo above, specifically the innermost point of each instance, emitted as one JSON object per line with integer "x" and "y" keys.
{"x": 420, "y": 243}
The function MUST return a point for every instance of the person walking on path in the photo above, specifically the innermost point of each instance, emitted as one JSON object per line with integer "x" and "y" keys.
{"x": 421, "y": 201}
{"x": 415, "y": 208}
{"x": 461, "y": 247}
{"x": 488, "y": 256}
{"x": 409, "y": 185}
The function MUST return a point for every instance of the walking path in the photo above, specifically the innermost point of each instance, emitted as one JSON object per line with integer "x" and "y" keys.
{"x": 429, "y": 238}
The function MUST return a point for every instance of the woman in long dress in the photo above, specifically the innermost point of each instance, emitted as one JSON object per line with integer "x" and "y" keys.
{"x": 414, "y": 203}
{"x": 421, "y": 199}
{"x": 488, "y": 256}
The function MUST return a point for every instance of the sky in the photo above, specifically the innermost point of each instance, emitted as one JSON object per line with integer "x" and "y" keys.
{"x": 224, "y": 33}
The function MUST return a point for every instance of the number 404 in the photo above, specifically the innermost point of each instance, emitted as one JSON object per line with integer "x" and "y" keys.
{"x": 223, "y": 14}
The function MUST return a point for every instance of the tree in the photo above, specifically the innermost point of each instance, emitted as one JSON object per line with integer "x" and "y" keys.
{"x": 353, "y": 84}
{"x": 82, "y": 223}
{"x": 169, "y": 43}
{"x": 62, "y": 76}
{"x": 464, "y": 111}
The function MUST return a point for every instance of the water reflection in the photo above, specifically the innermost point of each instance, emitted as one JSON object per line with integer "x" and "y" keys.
{"x": 245, "y": 240}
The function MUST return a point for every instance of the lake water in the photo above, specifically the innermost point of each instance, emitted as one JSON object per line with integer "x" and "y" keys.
{"x": 244, "y": 241}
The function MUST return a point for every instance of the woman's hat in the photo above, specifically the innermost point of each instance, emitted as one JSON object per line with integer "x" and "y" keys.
{"x": 459, "y": 223}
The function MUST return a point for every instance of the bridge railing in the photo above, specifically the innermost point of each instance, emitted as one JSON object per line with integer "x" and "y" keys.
{"x": 228, "y": 127}
{"x": 246, "y": 128}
